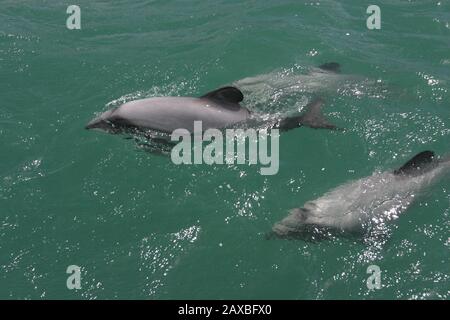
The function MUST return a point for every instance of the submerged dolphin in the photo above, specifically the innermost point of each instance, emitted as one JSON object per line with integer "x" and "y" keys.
{"x": 217, "y": 109}
{"x": 358, "y": 205}
{"x": 326, "y": 76}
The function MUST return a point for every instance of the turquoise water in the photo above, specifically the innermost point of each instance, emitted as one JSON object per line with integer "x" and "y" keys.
{"x": 142, "y": 227}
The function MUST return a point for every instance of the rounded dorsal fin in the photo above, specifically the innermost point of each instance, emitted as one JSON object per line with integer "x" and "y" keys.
{"x": 226, "y": 94}
{"x": 331, "y": 67}
{"x": 418, "y": 161}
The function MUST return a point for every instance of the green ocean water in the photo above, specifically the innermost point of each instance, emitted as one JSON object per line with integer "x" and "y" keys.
{"x": 141, "y": 227}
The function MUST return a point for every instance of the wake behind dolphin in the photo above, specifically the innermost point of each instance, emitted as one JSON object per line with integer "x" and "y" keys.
{"x": 357, "y": 206}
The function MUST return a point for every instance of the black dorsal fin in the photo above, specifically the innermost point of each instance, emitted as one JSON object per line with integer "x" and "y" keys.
{"x": 226, "y": 94}
{"x": 416, "y": 163}
{"x": 331, "y": 67}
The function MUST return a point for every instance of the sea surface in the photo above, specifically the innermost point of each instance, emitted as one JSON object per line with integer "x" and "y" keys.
{"x": 141, "y": 227}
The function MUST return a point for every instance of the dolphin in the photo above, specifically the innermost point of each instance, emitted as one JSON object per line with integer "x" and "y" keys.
{"x": 327, "y": 75}
{"x": 326, "y": 78}
{"x": 217, "y": 109}
{"x": 357, "y": 206}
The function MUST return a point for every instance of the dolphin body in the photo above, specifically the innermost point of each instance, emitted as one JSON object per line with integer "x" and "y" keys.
{"x": 356, "y": 206}
{"x": 217, "y": 109}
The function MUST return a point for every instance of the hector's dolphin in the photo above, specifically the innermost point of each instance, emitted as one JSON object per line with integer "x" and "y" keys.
{"x": 217, "y": 109}
{"x": 359, "y": 205}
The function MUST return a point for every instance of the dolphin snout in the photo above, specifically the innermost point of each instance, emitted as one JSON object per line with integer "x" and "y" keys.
{"x": 98, "y": 123}
{"x": 102, "y": 122}
{"x": 93, "y": 124}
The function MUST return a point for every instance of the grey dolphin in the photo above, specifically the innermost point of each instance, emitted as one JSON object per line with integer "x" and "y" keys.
{"x": 357, "y": 206}
{"x": 217, "y": 109}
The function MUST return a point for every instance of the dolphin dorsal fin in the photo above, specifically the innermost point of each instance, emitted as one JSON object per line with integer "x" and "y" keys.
{"x": 419, "y": 160}
{"x": 226, "y": 94}
{"x": 331, "y": 67}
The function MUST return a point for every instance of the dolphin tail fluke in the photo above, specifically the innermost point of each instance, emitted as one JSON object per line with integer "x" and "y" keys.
{"x": 312, "y": 118}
